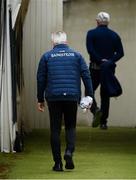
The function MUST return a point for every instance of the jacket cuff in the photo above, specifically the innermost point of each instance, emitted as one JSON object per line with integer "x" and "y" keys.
{"x": 40, "y": 100}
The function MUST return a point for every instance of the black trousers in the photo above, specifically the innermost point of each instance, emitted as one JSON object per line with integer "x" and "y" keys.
{"x": 105, "y": 100}
{"x": 59, "y": 110}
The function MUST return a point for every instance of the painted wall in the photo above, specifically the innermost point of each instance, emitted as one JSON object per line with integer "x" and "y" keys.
{"x": 79, "y": 16}
{"x": 43, "y": 17}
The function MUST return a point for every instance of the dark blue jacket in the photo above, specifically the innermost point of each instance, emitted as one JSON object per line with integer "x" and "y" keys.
{"x": 103, "y": 43}
{"x": 59, "y": 75}
{"x": 108, "y": 80}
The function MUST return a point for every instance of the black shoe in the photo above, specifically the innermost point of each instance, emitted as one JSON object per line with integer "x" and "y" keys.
{"x": 96, "y": 118}
{"x": 57, "y": 167}
{"x": 104, "y": 126}
{"x": 69, "y": 161}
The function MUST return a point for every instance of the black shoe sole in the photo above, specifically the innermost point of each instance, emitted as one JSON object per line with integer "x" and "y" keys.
{"x": 57, "y": 170}
{"x": 69, "y": 162}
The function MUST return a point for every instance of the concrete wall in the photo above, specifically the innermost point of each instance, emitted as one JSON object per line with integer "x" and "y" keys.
{"x": 79, "y": 16}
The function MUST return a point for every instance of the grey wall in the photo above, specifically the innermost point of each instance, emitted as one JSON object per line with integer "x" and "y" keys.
{"x": 79, "y": 16}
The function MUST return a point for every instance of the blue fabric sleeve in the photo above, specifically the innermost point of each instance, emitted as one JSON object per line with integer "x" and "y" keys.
{"x": 85, "y": 75}
{"x": 91, "y": 50}
{"x": 119, "y": 52}
{"x": 41, "y": 78}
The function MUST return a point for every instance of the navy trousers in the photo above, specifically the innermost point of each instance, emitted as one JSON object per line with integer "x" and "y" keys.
{"x": 105, "y": 99}
{"x": 59, "y": 110}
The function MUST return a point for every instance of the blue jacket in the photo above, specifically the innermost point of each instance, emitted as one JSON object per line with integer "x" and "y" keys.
{"x": 103, "y": 43}
{"x": 59, "y": 75}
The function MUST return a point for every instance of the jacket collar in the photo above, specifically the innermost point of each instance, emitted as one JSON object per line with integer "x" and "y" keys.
{"x": 60, "y": 46}
{"x": 102, "y": 26}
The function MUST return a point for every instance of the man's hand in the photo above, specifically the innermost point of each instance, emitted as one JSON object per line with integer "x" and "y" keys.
{"x": 40, "y": 106}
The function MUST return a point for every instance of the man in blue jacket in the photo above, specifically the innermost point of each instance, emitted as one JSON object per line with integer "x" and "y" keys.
{"x": 59, "y": 82}
{"x": 103, "y": 46}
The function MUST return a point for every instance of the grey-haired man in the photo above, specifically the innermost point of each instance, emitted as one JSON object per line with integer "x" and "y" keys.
{"x": 103, "y": 46}
{"x": 59, "y": 80}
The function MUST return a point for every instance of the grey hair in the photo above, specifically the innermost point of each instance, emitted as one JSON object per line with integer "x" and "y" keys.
{"x": 59, "y": 37}
{"x": 103, "y": 17}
